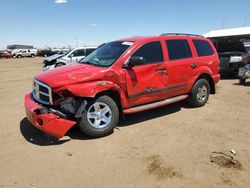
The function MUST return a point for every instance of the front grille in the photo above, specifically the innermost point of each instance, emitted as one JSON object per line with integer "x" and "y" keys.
{"x": 42, "y": 93}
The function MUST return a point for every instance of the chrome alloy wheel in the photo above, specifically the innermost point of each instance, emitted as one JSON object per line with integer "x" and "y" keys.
{"x": 202, "y": 93}
{"x": 99, "y": 115}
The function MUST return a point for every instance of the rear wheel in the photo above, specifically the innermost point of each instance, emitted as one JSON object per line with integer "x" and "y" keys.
{"x": 100, "y": 117}
{"x": 200, "y": 93}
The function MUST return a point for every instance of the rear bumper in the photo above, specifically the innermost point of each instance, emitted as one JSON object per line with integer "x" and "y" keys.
{"x": 49, "y": 123}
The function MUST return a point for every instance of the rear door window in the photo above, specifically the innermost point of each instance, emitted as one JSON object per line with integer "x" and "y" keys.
{"x": 178, "y": 49}
{"x": 203, "y": 48}
{"x": 151, "y": 52}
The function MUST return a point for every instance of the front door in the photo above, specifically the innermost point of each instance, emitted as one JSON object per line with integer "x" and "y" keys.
{"x": 146, "y": 82}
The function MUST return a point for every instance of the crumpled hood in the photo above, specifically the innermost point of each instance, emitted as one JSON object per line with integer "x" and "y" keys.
{"x": 53, "y": 57}
{"x": 71, "y": 74}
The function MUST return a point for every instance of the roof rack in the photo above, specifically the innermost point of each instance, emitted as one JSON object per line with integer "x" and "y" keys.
{"x": 177, "y": 34}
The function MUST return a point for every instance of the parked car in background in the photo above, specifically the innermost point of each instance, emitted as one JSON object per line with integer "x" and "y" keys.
{"x": 123, "y": 77}
{"x": 49, "y": 52}
{"x": 24, "y": 53}
{"x": 69, "y": 57}
{"x": 231, "y": 54}
{"x": 50, "y": 62}
{"x": 247, "y": 46}
{"x": 5, "y": 54}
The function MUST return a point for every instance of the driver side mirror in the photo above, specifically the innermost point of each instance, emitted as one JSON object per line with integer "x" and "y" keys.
{"x": 134, "y": 61}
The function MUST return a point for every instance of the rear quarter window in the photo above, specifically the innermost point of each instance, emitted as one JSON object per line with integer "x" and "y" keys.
{"x": 203, "y": 48}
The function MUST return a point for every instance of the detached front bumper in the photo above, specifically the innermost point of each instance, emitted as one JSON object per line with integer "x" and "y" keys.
{"x": 49, "y": 123}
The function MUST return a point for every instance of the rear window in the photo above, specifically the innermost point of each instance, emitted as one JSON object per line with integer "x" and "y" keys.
{"x": 203, "y": 48}
{"x": 178, "y": 49}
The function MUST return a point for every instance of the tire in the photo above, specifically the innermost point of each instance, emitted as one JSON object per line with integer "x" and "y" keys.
{"x": 242, "y": 81}
{"x": 59, "y": 64}
{"x": 18, "y": 56}
{"x": 100, "y": 118}
{"x": 32, "y": 55}
{"x": 200, "y": 93}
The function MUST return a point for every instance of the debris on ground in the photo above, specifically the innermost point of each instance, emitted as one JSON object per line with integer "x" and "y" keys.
{"x": 69, "y": 154}
{"x": 225, "y": 160}
{"x": 233, "y": 151}
{"x": 160, "y": 169}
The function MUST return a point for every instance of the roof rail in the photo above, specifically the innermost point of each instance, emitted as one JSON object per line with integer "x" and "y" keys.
{"x": 177, "y": 34}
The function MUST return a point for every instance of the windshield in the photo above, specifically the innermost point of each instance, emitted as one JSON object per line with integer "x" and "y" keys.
{"x": 107, "y": 54}
{"x": 67, "y": 52}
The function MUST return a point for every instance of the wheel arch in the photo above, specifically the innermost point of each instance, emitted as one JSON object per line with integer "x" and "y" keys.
{"x": 207, "y": 77}
{"x": 115, "y": 95}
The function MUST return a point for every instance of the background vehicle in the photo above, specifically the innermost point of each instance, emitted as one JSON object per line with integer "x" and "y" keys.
{"x": 5, "y": 54}
{"x": 72, "y": 56}
{"x": 231, "y": 54}
{"x": 75, "y": 55}
{"x": 122, "y": 77}
{"x": 49, "y": 62}
{"x": 50, "y": 52}
{"x": 244, "y": 73}
{"x": 24, "y": 53}
{"x": 247, "y": 46}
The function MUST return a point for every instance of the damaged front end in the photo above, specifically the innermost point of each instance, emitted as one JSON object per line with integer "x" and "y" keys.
{"x": 55, "y": 119}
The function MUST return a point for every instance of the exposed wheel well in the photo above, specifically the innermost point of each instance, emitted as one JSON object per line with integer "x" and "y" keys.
{"x": 210, "y": 81}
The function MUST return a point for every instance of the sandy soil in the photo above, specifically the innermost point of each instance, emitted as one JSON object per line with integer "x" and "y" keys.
{"x": 166, "y": 147}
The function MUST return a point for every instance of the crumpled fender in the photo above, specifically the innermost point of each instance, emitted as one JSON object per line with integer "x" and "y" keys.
{"x": 91, "y": 89}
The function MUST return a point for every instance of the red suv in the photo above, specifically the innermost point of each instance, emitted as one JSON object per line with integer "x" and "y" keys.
{"x": 122, "y": 77}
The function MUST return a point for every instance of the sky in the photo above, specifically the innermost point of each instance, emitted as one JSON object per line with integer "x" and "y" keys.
{"x": 64, "y": 23}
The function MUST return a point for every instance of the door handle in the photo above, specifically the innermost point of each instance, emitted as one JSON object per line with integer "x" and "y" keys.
{"x": 193, "y": 65}
{"x": 162, "y": 70}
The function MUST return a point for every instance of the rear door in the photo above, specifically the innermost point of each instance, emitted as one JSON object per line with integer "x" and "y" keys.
{"x": 180, "y": 66}
{"x": 146, "y": 82}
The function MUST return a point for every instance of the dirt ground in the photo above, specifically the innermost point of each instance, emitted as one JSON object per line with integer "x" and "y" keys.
{"x": 166, "y": 147}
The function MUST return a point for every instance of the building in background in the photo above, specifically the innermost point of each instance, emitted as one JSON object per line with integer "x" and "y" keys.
{"x": 19, "y": 46}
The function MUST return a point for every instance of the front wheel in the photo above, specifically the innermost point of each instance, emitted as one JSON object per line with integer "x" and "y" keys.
{"x": 100, "y": 117}
{"x": 200, "y": 93}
